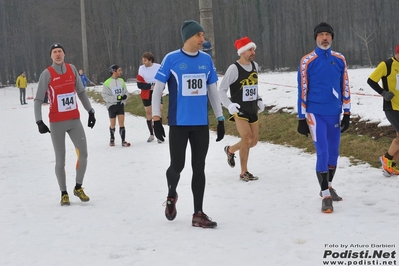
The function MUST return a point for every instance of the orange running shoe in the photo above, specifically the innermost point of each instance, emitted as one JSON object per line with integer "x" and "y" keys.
{"x": 327, "y": 205}
{"x": 388, "y": 167}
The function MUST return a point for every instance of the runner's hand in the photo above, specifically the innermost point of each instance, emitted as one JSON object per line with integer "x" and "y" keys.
{"x": 233, "y": 108}
{"x": 303, "y": 127}
{"x": 42, "y": 127}
{"x": 92, "y": 119}
{"x": 220, "y": 131}
{"x": 159, "y": 130}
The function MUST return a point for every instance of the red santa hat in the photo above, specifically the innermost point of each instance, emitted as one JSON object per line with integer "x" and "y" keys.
{"x": 397, "y": 49}
{"x": 244, "y": 44}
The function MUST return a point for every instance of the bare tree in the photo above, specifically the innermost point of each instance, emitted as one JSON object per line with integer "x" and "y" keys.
{"x": 366, "y": 37}
{"x": 119, "y": 31}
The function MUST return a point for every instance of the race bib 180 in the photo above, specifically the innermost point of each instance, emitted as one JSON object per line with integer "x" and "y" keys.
{"x": 194, "y": 84}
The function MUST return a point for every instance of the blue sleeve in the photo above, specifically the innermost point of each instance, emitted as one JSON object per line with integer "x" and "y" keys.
{"x": 301, "y": 114}
{"x": 164, "y": 70}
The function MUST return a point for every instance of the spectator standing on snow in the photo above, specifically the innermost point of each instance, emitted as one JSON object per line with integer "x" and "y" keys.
{"x": 85, "y": 79}
{"x": 323, "y": 93}
{"x": 241, "y": 78}
{"x": 387, "y": 71}
{"x": 115, "y": 94}
{"x": 191, "y": 79}
{"x": 145, "y": 82}
{"x": 62, "y": 84}
{"x": 21, "y": 84}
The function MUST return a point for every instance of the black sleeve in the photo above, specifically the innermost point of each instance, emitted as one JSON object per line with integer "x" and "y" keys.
{"x": 375, "y": 86}
{"x": 144, "y": 86}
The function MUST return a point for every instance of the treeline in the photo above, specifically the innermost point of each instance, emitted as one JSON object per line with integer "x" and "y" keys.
{"x": 119, "y": 31}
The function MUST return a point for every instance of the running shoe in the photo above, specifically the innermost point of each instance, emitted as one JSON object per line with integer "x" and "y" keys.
{"x": 112, "y": 142}
{"x": 326, "y": 205}
{"x": 230, "y": 157}
{"x": 151, "y": 138}
{"x": 65, "y": 200}
{"x": 170, "y": 209}
{"x": 125, "y": 144}
{"x": 333, "y": 194}
{"x": 247, "y": 176}
{"x": 388, "y": 167}
{"x": 81, "y": 194}
{"x": 200, "y": 219}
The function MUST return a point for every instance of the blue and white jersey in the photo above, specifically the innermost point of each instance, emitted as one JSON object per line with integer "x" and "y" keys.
{"x": 187, "y": 78}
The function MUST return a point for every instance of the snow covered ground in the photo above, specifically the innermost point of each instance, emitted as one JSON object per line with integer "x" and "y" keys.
{"x": 273, "y": 221}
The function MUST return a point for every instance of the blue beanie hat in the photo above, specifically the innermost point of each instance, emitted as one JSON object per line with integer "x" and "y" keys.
{"x": 189, "y": 28}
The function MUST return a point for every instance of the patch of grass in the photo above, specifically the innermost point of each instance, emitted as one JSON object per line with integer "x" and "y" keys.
{"x": 362, "y": 142}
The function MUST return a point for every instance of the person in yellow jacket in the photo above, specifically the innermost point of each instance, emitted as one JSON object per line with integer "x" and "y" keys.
{"x": 22, "y": 83}
{"x": 386, "y": 71}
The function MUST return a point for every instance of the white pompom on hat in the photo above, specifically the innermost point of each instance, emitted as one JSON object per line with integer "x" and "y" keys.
{"x": 244, "y": 44}
{"x": 56, "y": 45}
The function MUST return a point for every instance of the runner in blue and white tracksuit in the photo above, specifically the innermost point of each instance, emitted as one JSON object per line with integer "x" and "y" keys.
{"x": 323, "y": 93}
{"x": 191, "y": 78}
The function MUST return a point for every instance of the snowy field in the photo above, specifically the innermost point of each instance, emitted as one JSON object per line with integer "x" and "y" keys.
{"x": 274, "y": 221}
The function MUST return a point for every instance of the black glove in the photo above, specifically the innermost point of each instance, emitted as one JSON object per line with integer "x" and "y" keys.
{"x": 124, "y": 97}
{"x": 42, "y": 127}
{"x": 158, "y": 130}
{"x": 345, "y": 122}
{"x": 387, "y": 95}
{"x": 303, "y": 127}
{"x": 92, "y": 119}
{"x": 220, "y": 131}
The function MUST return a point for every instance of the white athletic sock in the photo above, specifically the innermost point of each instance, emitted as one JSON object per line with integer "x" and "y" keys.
{"x": 325, "y": 193}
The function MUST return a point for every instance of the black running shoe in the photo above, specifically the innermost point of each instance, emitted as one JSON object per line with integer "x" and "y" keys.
{"x": 200, "y": 219}
{"x": 230, "y": 157}
{"x": 170, "y": 209}
{"x": 333, "y": 194}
